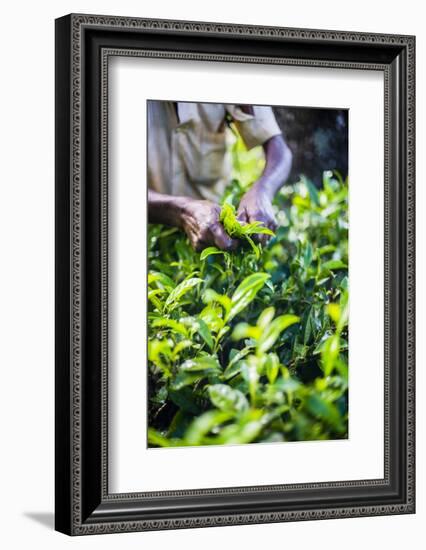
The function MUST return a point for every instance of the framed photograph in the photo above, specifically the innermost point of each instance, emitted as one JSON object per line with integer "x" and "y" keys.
{"x": 234, "y": 274}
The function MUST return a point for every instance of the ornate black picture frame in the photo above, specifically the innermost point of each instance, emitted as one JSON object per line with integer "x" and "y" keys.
{"x": 83, "y": 45}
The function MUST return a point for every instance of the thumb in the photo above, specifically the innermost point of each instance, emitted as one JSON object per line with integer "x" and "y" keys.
{"x": 242, "y": 215}
{"x": 221, "y": 239}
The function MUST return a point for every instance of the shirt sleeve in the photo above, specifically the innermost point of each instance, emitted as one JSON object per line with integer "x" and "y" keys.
{"x": 255, "y": 128}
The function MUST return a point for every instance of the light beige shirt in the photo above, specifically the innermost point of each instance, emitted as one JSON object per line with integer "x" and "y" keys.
{"x": 188, "y": 145}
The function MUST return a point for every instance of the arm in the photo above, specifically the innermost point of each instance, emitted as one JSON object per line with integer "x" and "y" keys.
{"x": 277, "y": 168}
{"x": 256, "y": 204}
{"x": 198, "y": 218}
{"x": 165, "y": 209}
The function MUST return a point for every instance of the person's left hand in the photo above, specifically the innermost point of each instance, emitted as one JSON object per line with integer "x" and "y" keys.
{"x": 256, "y": 205}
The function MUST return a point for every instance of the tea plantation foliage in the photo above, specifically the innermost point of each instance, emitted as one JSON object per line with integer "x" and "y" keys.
{"x": 251, "y": 346}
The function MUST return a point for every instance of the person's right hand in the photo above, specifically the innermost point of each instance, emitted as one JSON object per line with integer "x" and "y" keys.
{"x": 200, "y": 221}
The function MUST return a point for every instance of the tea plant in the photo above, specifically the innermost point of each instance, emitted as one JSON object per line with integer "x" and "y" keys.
{"x": 251, "y": 346}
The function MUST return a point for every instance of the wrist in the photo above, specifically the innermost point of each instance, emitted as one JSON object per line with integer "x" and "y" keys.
{"x": 166, "y": 209}
{"x": 175, "y": 209}
{"x": 263, "y": 188}
{"x": 180, "y": 208}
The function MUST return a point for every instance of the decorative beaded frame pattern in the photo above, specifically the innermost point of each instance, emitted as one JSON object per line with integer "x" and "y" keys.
{"x": 78, "y": 23}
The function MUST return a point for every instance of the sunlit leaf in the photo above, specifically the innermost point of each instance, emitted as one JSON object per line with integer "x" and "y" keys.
{"x": 180, "y": 346}
{"x": 197, "y": 325}
{"x": 247, "y": 432}
{"x": 209, "y": 251}
{"x": 334, "y": 311}
{"x": 217, "y": 344}
{"x": 181, "y": 289}
{"x": 211, "y": 295}
{"x": 170, "y": 324}
{"x": 330, "y": 353}
{"x": 272, "y": 367}
{"x": 245, "y": 293}
{"x": 156, "y": 439}
{"x": 204, "y": 332}
{"x": 265, "y": 317}
{"x": 244, "y": 330}
{"x": 162, "y": 278}
{"x": 273, "y": 331}
{"x": 234, "y": 365}
{"x": 201, "y": 363}
{"x": 332, "y": 265}
{"x": 203, "y": 424}
{"x": 251, "y": 375}
{"x": 212, "y": 316}
{"x": 227, "y": 399}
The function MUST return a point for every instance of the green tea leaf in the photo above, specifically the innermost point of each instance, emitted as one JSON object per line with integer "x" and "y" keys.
{"x": 285, "y": 384}
{"x": 326, "y": 249}
{"x": 244, "y": 330}
{"x": 204, "y": 332}
{"x": 209, "y": 251}
{"x": 157, "y": 348}
{"x": 308, "y": 325}
{"x": 180, "y": 346}
{"x": 184, "y": 399}
{"x": 265, "y": 317}
{"x": 234, "y": 367}
{"x": 245, "y": 293}
{"x": 185, "y": 379}
{"x": 177, "y": 293}
{"x": 235, "y": 228}
{"x": 334, "y": 311}
{"x": 325, "y": 410}
{"x": 203, "y": 424}
{"x": 256, "y": 228}
{"x": 272, "y": 367}
{"x": 162, "y": 278}
{"x": 308, "y": 255}
{"x": 330, "y": 353}
{"x": 344, "y": 313}
{"x": 211, "y": 295}
{"x": 212, "y": 316}
{"x": 201, "y": 364}
{"x": 313, "y": 192}
{"x": 229, "y": 220}
{"x": 272, "y": 332}
{"x": 332, "y": 265}
{"x": 153, "y": 298}
{"x": 250, "y": 373}
{"x": 170, "y": 324}
{"x": 156, "y": 439}
{"x": 227, "y": 399}
{"x": 246, "y": 432}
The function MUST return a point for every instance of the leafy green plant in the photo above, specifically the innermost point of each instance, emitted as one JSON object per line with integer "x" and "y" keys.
{"x": 251, "y": 346}
{"x": 241, "y": 231}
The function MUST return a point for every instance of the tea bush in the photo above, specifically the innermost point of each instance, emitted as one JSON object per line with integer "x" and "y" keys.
{"x": 251, "y": 346}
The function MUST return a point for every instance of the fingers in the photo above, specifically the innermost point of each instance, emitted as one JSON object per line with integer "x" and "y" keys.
{"x": 268, "y": 221}
{"x": 221, "y": 239}
{"x": 242, "y": 215}
{"x": 204, "y": 229}
{"x": 273, "y": 224}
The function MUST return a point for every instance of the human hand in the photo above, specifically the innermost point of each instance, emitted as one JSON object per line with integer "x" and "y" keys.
{"x": 200, "y": 221}
{"x": 256, "y": 205}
